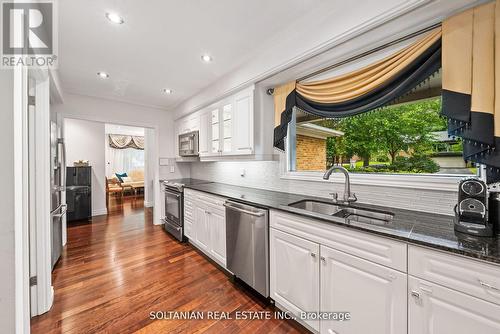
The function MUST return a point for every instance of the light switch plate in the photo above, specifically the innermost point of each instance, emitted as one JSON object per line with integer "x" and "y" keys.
{"x": 172, "y": 169}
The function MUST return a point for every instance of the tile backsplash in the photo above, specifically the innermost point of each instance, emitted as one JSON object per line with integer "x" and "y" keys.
{"x": 266, "y": 175}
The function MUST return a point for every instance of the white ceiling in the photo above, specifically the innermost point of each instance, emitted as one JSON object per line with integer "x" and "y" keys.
{"x": 161, "y": 42}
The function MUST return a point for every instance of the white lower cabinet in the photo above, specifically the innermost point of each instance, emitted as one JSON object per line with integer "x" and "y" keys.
{"x": 435, "y": 309}
{"x": 307, "y": 278}
{"x": 374, "y": 295}
{"x": 201, "y": 227}
{"x": 208, "y": 228}
{"x": 294, "y": 274}
{"x": 318, "y": 267}
{"x": 217, "y": 223}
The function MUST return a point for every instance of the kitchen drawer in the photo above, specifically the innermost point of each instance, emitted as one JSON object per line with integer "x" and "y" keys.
{"x": 475, "y": 278}
{"x": 188, "y": 215}
{"x": 384, "y": 251}
{"x": 208, "y": 198}
{"x": 189, "y": 194}
{"x": 188, "y": 209}
{"x": 188, "y": 204}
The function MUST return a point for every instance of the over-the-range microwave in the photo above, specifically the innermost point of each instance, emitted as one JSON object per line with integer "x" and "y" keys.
{"x": 188, "y": 144}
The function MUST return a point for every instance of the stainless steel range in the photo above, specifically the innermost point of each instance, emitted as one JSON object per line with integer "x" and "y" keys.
{"x": 174, "y": 205}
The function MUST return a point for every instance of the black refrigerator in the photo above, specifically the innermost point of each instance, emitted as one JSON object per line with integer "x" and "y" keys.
{"x": 79, "y": 193}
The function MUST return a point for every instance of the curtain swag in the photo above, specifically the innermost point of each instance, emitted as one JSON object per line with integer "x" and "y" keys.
{"x": 124, "y": 141}
{"x": 471, "y": 81}
{"x": 360, "y": 91}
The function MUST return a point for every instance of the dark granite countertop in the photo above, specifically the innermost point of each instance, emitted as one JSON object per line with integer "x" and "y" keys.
{"x": 415, "y": 227}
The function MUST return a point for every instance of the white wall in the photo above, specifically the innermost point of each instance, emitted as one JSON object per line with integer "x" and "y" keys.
{"x": 108, "y": 111}
{"x": 149, "y": 168}
{"x": 85, "y": 141}
{"x": 266, "y": 175}
{"x": 326, "y": 28}
{"x": 7, "y": 253}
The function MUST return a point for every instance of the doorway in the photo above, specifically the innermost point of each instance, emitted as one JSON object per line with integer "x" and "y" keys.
{"x": 120, "y": 161}
{"x": 127, "y": 168}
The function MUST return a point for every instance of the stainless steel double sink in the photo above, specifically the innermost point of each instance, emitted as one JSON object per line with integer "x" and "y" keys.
{"x": 349, "y": 212}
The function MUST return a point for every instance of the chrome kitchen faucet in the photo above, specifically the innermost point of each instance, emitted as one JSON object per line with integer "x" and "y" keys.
{"x": 348, "y": 197}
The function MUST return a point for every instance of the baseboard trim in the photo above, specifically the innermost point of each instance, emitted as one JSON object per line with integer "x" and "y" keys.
{"x": 99, "y": 212}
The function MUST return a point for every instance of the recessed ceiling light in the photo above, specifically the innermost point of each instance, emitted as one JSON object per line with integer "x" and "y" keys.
{"x": 103, "y": 75}
{"x": 167, "y": 91}
{"x": 206, "y": 58}
{"x": 115, "y": 18}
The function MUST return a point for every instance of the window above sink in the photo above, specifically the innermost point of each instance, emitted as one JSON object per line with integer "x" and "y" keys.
{"x": 404, "y": 144}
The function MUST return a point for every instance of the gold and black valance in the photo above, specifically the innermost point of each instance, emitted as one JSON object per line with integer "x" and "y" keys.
{"x": 471, "y": 83}
{"x": 125, "y": 141}
{"x": 366, "y": 89}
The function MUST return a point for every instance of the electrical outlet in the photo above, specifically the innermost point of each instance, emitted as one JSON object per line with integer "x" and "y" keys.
{"x": 172, "y": 169}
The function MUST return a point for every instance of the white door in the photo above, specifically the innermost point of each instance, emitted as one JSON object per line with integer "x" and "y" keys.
{"x": 201, "y": 227}
{"x": 204, "y": 137}
{"x": 294, "y": 273}
{"x": 217, "y": 224}
{"x": 434, "y": 309}
{"x": 243, "y": 119}
{"x": 374, "y": 295}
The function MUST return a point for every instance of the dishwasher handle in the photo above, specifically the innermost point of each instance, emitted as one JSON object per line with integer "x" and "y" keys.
{"x": 248, "y": 212}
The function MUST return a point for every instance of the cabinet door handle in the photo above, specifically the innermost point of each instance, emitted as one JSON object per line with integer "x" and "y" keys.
{"x": 415, "y": 294}
{"x": 488, "y": 286}
{"x": 323, "y": 259}
{"x": 313, "y": 255}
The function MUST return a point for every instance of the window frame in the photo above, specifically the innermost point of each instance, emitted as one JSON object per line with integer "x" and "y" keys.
{"x": 437, "y": 182}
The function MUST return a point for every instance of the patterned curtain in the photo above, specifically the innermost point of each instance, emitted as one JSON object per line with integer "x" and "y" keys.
{"x": 124, "y": 141}
{"x": 360, "y": 91}
{"x": 471, "y": 80}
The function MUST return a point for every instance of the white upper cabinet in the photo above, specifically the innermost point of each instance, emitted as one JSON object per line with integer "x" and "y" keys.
{"x": 215, "y": 131}
{"x": 205, "y": 130}
{"x": 243, "y": 123}
{"x": 374, "y": 295}
{"x": 226, "y": 128}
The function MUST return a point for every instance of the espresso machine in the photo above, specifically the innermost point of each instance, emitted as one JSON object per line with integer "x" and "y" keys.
{"x": 494, "y": 206}
{"x": 473, "y": 214}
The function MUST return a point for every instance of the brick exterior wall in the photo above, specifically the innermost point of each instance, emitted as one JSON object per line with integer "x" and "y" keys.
{"x": 311, "y": 153}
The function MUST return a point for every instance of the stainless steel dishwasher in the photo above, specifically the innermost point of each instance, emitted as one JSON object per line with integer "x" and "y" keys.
{"x": 247, "y": 244}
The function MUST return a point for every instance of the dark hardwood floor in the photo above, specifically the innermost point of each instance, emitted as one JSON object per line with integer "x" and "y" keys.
{"x": 119, "y": 268}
